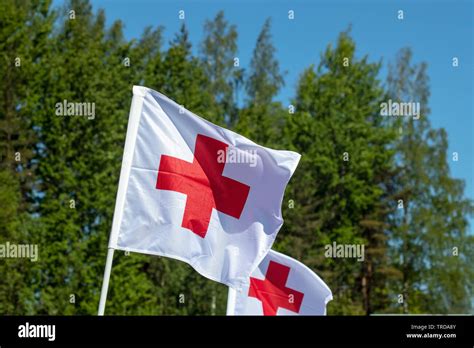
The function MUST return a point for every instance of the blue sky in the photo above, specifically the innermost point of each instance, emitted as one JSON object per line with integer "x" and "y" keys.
{"x": 436, "y": 31}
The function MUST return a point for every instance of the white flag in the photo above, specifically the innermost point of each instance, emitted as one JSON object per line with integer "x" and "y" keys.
{"x": 197, "y": 192}
{"x": 281, "y": 286}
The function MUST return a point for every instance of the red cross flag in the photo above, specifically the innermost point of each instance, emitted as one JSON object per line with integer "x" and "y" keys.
{"x": 197, "y": 192}
{"x": 280, "y": 286}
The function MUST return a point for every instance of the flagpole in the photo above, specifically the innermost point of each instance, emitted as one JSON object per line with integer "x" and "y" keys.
{"x": 132, "y": 129}
{"x": 105, "y": 282}
{"x": 231, "y": 301}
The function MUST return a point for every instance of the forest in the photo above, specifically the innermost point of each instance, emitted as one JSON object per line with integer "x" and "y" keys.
{"x": 364, "y": 178}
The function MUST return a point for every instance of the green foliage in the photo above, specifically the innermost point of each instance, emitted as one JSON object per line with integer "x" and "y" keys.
{"x": 261, "y": 118}
{"x": 343, "y": 169}
{"x": 265, "y": 79}
{"x": 219, "y": 49}
{"x": 433, "y": 220}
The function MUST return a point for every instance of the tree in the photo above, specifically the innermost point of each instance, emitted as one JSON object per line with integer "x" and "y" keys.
{"x": 182, "y": 78}
{"x": 432, "y": 215}
{"x": 80, "y": 161}
{"x": 261, "y": 119}
{"x": 24, "y": 28}
{"x": 265, "y": 78}
{"x": 337, "y": 190}
{"x": 218, "y": 51}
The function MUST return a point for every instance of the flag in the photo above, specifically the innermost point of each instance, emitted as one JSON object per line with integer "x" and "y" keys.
{"x": 197, "y": 192}
{"x": 281, "y": 286}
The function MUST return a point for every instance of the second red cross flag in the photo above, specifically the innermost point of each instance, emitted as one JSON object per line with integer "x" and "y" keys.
{"x": 281, "y": 286}
{"x": 197, "y": 192}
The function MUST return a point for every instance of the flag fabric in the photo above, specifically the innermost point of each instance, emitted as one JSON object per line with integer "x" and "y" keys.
{"x": 197, "y": 192}
{"x": 281, "y": 286}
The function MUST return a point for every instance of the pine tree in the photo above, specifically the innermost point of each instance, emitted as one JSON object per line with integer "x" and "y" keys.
{"x": 337, "y": 188}
{"x": 432, "y": 213}
{"x": 262, "y": 118}
{"x": 218, "y": 51}
{"x": 80, "y": 160}
{"x": 23, "y": 36}
{"x": 265, "y": 78}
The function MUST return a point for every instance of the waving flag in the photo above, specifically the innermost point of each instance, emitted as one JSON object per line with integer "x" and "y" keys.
{"x": 197, "y": 192}
{"x": 281, "y": 286}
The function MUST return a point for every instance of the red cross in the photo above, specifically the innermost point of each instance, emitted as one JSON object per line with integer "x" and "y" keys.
{"x": 203, "y": 183}
{"x": 272, "y": 291}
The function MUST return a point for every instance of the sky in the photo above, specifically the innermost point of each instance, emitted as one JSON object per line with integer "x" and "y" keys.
{"x": 436, "y": 30}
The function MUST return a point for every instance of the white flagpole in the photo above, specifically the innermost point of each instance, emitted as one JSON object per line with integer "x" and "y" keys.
{"x": 105, "y": 282}
{"x": 231, "y": 301}
{"x": 132, "y": 129}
